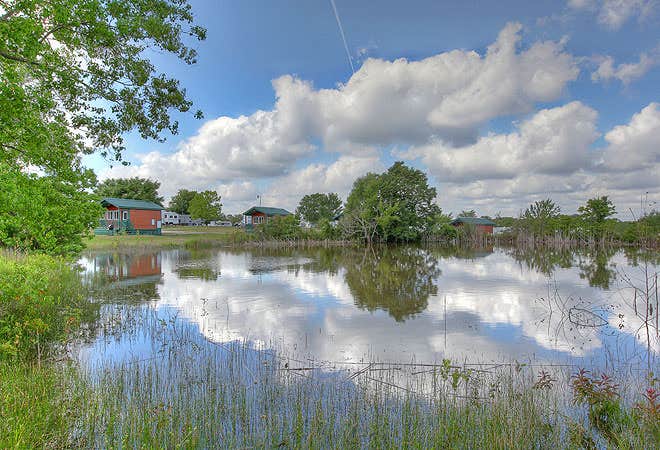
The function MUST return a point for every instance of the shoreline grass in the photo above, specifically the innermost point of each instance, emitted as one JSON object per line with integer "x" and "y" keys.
{"x": 38, "y": 405}
{"x": 198, "y": 237}
{"x": 211, "y": 237}
{"x": 193, "y": 393}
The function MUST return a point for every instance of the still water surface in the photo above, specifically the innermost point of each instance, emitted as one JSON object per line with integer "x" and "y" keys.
{"x": 399, "y": 304}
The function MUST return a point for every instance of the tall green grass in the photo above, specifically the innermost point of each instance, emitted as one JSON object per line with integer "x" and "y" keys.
{"x": 191, "y": 393}
{"x": 38, "y": 405}
{"x": 42, "y": 305}
{"x": 188, "y": 238}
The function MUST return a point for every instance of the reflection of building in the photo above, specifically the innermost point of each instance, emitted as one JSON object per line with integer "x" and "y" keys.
{"x": 129, "y": 216}
{"x": 262, "y": 214}
{"x": 481, "y": 224}
{"x": 129, "y": 270}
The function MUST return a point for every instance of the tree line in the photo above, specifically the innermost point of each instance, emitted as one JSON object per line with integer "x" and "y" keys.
{"x": 399, "y": 205}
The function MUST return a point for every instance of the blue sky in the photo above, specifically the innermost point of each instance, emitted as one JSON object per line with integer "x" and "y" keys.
{"x": 500, "y": 103}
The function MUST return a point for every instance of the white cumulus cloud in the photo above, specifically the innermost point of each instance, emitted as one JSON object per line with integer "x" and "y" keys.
{"x": 553, "y": 141}
{"x": 636, "y": 145}
{"x": 337, "y": 177}
{"x": 447, "y": 97}
{"x": 628, "y": 72}
{"x": 614, "y": 13}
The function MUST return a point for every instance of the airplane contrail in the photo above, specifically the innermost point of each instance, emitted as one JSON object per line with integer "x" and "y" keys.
{"x": 343, "y": 36}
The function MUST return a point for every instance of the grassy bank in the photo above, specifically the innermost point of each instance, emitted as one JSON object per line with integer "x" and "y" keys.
{"x": 207, "y": 237}
{"x": 42, "y": 302}
{"x": 38, "y": 405}
{"x": 175, "y": 237}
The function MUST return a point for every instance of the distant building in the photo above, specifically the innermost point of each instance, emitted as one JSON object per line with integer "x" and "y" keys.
{"x": 129, "y": 216}
{"x": 220, "y": 223}
{"x": 185, "y": 219}
{"x": 262, "y": 214}
{"x": 174, "y": 218}
{"x": 170, "y": 218}
{"x": 501, "y": 230}
{"x": 481, "y": 224}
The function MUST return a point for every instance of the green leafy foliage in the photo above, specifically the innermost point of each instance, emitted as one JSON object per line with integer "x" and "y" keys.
{"x": 74, "y": 78}
{"x": 134, "y": 188}
{"x": 46, "y": 213}
{"x": 538, "y": 215}
{"x": 316, "y": 207}
{"x": 281, "y": 227}
{"x": 81, "y": 65}
{"x": 180, "y": 203}
{"x": 398, "y": 205}
{"x": 596, "y": 210}
{"x": 206, "y": 206}
{"x": 41, "y": 301}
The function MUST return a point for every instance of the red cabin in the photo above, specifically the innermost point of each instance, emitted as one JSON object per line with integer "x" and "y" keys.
{"x": 262, "y": 214}
{"x": 129, "y": 216}
{"x": 481, "y": 224}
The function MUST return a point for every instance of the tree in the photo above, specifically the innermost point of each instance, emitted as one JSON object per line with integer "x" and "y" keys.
{"x": 468, "y": 213}
{"x": 135, "y": 188}
{"x": 43, "y": 213}
{"x": 363, "y": 208}
{"x": 180, "y": 203}
{"x": 74, "y": 78}
{"x": 397, "y": 205}
{"x": 206, "y": 206}
{"x": 316, "y": 207}
{"x": 233, "y": 218}
{"x": 597, "y": 209}
{"x": 595, "y": 212}
{"x": 538, "y": 215}
{"x": 81, "y": 65}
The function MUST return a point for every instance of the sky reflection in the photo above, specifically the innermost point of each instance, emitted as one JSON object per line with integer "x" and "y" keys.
{"x": 398, "y": 303}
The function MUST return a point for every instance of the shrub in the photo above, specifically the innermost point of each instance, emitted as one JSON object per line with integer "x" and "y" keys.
{"x": 41, "y": 301}
{"x": 281, "y": 227}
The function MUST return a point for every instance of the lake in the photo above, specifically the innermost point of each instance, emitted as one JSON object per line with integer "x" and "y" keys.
{"x": 343, "y": 306}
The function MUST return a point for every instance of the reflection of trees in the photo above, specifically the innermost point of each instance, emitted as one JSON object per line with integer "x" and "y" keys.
{"x": 197, "y": 264}
{"x": 543, "y": 259}
{"x": 396, "y": 279}
{"x": 595, "y": 267}
{"x": 636, "y": 256}
{"x": 204, "y": 273}
{"x": 593, "y": 264}
{"x": 315, "y": 259}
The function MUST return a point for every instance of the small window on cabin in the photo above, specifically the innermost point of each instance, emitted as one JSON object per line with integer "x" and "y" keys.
{"x": 125, "y": 215}
{"x": 153, "y": 221}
